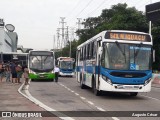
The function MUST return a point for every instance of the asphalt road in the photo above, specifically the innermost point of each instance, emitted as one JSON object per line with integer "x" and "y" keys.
{"x": 66, "y": 95}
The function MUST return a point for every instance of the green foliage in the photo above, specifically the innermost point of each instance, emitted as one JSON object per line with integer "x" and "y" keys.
{"x": 156, "y": 44}
{"x": 65, "y": 52}
{"x": 118, "y": 17}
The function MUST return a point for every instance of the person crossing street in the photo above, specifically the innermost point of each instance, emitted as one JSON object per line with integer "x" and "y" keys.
{"x": 56, "y": 71}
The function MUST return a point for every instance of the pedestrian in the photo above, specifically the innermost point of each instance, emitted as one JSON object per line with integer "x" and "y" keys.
{"x": 1, "y": 71}
{"x": 56, "y": 71}
{"x": 26, "y": 75}
{"x": 8, "y": 74}
{"x": 19, "y": 73}
{"x": 13, "y": 72}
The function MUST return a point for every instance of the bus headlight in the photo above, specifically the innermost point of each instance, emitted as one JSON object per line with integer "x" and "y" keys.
{"x": 147, "y": 81}
{"x": 106, "y": 79}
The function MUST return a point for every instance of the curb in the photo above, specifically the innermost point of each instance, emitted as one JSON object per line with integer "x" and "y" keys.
{"x": 40, "y": 104}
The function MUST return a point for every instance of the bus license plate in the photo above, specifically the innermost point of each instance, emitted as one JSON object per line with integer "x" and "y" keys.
{"x": 41, "y": 76}
{"x": 128, "y": 87}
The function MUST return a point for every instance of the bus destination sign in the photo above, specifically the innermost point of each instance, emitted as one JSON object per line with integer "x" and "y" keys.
{"x": 128, "y": 36}
{"x": 41, "y": 53}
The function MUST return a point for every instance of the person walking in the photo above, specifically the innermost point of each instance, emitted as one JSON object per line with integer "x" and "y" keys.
{"x": 26, "y": 75}
{"x": 1, "y": 71}
{"x": 56, "y": 71}
{"x": 19, "y": 73}
{"x": 8, "y": 74}
{"x": 13, "y": 72}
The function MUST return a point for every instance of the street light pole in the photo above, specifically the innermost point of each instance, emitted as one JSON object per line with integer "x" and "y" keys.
{"x": 70, "y": 49}
{"x": 150, "y": 23}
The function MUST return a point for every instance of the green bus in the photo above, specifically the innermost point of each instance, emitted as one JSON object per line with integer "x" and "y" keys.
{"x": 41, "y": 64}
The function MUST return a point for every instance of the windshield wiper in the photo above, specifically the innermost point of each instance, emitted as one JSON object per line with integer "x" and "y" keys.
{"x": 123, "y": 53}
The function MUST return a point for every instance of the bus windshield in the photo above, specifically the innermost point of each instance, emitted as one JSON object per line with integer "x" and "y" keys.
{"x": 66, "y": 64}
{"x": 41, "y": 63}
{"x": 126, "y": 56}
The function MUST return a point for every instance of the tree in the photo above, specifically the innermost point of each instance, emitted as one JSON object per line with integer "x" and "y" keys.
{"x": 156, "y": 44}
{"x": 118, "y": 17}
{"x": 66, "y": 50}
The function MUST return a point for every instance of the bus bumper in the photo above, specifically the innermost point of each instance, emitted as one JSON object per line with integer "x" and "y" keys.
{"x": 66, "y": 74}
{"x": 104, "y": 86}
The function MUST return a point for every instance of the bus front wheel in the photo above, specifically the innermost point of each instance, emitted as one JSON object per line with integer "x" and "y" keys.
{"x": 95, "y": 91}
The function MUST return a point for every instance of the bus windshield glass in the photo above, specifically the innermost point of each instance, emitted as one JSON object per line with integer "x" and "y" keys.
{"x": 41, "y": 63}
{"x": 126, "y": 56}
{"x": 66, "y": 64}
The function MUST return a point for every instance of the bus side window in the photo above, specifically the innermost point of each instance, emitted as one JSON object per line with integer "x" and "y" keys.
{"x": 84, "y": 53}
{"x": 81, "y": 54}
{"x": 90, "y": 50}
{"x": 94, "y": 50}
{"x": 87, "y": 51}
{"x": 102, "y": 58}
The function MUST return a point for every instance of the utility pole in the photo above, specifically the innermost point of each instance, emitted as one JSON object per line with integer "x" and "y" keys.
{"x": 79, "y": 23}
{"x": 54, "y": 42}
{"x": 150, "y": 23}
{"x": 72, "y": 33}
{"x": 58, "y": 40}
{"x": 62, "y": 22}
{"x": 67, "y": 36}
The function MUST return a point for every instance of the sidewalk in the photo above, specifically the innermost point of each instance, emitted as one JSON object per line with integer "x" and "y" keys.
{"x": 12, "y": 100}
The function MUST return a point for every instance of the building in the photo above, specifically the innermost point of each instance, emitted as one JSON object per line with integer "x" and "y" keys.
{"x": 8, "y": 38}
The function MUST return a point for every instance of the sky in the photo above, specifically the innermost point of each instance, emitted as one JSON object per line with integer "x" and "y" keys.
{"x": 36, "y": 21}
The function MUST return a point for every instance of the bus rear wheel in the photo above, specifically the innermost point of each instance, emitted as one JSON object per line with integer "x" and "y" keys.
{"x": 81, "y": 83}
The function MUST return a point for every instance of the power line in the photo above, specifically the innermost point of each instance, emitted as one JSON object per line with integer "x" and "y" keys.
{"x": 84, "y": 8}
{"x": 73, "y": 8}
{"x": 98, "y": 7}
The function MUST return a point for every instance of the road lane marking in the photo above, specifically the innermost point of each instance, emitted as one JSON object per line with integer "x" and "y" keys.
{"x": 76, "y": 94}
{"x": 90, "y": 102}
{"x": 37, "y": 102}
{"x": 150, "y": 97}
{"x": 84, "y": 99}
{"x": 100, "y": 109}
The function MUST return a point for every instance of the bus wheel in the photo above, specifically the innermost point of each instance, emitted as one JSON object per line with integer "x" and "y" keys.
{"x": 95, "y": 91}
{"x": 82, "y": 85}
{"x": 133, "y": 93}
{"x": 81, "y": 82}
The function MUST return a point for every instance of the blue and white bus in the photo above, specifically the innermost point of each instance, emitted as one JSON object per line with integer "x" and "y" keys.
{"x": 66, "y": 66}
{"x": 117, "y": 61}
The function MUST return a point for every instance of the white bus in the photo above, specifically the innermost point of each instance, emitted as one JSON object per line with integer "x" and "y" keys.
{"x": 66, "y": 66}
{"x": 117, "y": 61}
{"x": 41, "y": 65}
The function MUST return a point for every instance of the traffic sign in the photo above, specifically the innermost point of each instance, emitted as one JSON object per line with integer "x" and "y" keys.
{"x": 153, "y": 12}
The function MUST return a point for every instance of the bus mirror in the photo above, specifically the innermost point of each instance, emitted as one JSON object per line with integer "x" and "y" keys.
{"x": 100, "y": 51}
{"x": 154, "y": 56}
